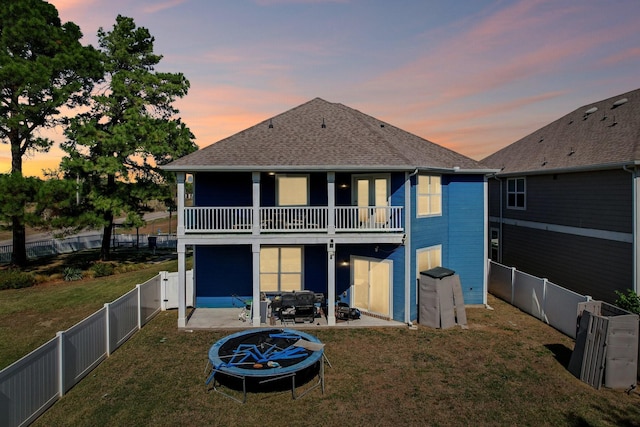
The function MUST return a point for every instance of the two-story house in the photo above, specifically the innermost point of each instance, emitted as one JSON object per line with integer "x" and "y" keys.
{"x": 325, "y": 198}
{"x": 565, "y": 204}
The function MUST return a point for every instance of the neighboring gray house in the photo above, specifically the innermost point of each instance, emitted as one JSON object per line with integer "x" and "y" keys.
{"x": 564, "y": 205}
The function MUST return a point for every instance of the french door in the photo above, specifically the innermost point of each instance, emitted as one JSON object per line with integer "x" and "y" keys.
{"x": 372, "y": 285}
{"x": 371, "y": 190}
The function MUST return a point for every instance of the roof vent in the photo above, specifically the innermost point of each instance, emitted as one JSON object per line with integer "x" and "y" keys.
{"x": 381, "y": 125}
{"x": 571, "y": 151}
{"x": 544, "y": 161}
{"x": 619, "y": 102}
{"x": 541, "y": 139}
{"x": 323, "y": 125}
{"x": 589, "y": 112}
{"x": 270, "y": 124}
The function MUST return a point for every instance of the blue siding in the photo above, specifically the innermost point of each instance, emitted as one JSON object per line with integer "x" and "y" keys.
{"x": 466, "y": 234}
{"x": 223, "y": 189}
{"x": 315, "y": 268}
{"x": 222, "y": 271}
{"x": 460, "y": 232}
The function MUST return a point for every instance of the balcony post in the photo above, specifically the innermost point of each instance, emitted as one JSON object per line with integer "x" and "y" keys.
{"x": 255, "y": 178}
{"x": 180, "y": 177}
{"x": 255, "y": 303}
{"x": 331, "y": 203}
{"x": 331, "y": 283}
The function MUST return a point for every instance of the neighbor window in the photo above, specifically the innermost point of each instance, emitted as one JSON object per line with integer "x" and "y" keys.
{"x": 293, "y": 190}
{"x": 516, "y": 193}
{"x": 429, "y": 195}
{"x": 280, "y": 269}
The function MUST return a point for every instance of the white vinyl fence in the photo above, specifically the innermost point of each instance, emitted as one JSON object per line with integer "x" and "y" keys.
{"x": 78, "y": 243}
{"x": 32, "y": 384}
{"x": 538, "y": 297}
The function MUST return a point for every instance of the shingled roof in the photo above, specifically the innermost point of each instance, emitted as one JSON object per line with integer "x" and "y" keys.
{"x": 602, "y": 135}
{"x": 320, "y": 135}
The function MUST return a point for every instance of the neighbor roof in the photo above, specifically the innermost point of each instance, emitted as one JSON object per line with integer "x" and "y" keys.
{"x": 320, "y": 135}
{"x": 601, "y": 135}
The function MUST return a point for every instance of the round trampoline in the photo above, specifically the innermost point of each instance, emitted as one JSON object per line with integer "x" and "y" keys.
{"x": 269, "y": 359}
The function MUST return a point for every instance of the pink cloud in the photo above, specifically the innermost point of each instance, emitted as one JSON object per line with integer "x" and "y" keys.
{"x": 153, "y": 8}
{"x": 280, "y": 2}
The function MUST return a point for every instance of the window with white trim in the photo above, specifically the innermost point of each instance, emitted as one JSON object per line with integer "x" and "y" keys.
{"x": 280, "y": 268}
{"x": 428, "y": 258}
{"x": 516, "y": 193}
{"x": 429, "y": 195}
{"x": 292, "y": 190}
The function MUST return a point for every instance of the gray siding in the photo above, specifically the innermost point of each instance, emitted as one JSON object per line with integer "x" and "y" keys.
{"x": 600, "y": 200}
{"x": 589, "y": 266}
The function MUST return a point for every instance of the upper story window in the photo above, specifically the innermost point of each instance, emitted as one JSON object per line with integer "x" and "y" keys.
{"x": 516, "y": 193}
{"x": 429, "y": 195}
{"x": 292, "y": 190}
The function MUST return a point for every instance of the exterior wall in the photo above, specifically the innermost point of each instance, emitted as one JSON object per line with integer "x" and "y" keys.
{"x": 467, "y": 234}
{"x": 222, "y": 189}
{"x": 589, "y": 266}
{"x": 595, "y": 255}
{"x": 225, "y": 270}
{"x": 461, "y": 232}
{"x": 220, "y": 272}
{"x": 600, "y": 200}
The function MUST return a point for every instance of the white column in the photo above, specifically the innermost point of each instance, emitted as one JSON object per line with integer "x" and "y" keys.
{"x": 182, "y": 286}
{"x": 331, "y": 283}
{"x": 180, "y": 228}
{"x": 255, "y": 178}
{"x": 331, "y": 202}
{"x": 255, "y": 249}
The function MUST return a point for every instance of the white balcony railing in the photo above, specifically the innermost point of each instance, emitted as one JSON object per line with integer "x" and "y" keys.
{"x": 293, "y": 219}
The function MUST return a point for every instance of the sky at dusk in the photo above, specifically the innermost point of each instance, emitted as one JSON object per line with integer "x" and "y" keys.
{"x": 471, "y": 75}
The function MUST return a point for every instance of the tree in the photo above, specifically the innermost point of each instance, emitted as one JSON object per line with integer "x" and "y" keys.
{"x": 116, "y": 149}
{"x": 43, "y": 68}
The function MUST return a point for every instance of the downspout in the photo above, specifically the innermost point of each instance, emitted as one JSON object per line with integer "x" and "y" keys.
{"x": 635, "y": 198}
{"x": 407, "y": 248}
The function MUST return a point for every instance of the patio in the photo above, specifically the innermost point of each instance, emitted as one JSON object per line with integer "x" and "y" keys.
{"x": 230, "y": 318}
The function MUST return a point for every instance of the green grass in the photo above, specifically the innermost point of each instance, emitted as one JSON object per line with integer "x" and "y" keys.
{"x": 29, "y": 317}
{"x": 379, "y": 377}
{"x": 506, "y": 369}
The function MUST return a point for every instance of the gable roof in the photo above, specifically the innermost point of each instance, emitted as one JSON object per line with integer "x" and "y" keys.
{"x": 320, "y": 135}
{"x": 601, "y": 135}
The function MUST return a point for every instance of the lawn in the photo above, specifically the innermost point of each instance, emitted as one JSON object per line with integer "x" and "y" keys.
{"x": 506, "y": 369}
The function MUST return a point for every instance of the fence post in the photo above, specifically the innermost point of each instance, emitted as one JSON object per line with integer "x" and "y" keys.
{"x": 513, "y": 285}
{"x": 543, "y": 308}
{"x": 107, "y": 327}
{"x": 60, "y": 339}
{"x": 163, "y": 290}
{"x": 139, "y": 292}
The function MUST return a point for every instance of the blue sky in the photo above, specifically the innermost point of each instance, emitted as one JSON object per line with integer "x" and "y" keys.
{"x": 471, "y": 75}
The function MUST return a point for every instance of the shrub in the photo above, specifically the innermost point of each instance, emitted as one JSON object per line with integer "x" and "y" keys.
{"x": 629, "y": 301}
{"x": 102, "y": 269}
{"x": 71, "y": 274}
{"x": 16, "y": 279}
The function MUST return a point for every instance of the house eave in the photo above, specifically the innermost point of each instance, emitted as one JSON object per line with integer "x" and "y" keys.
{"x": 574, "y": 169}
{"x": 324, "y": 168}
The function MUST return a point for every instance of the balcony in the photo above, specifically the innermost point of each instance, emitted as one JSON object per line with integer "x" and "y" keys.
{"x": 302, "y": 219}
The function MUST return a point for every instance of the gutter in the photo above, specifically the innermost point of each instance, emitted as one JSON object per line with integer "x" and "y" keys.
{"x": 635, "y": 197}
